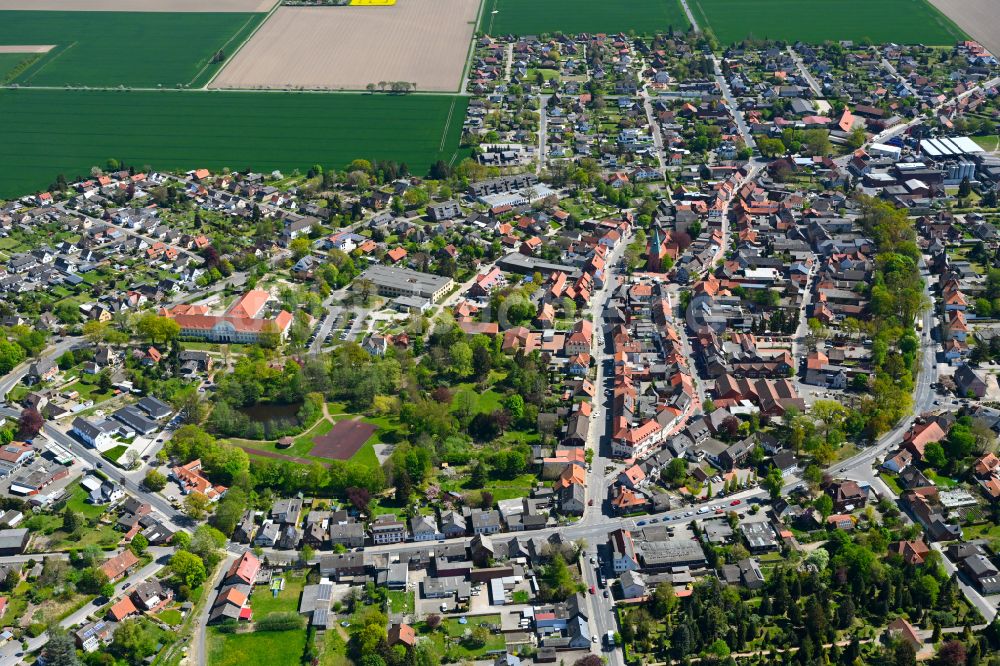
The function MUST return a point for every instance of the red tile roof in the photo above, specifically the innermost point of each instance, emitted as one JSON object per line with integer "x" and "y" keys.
{"x": 118, "y": 565}
{"x": 123, "y": 609}
{"x": 249, "y": 306}
{"x": 190, "y": 476}
{"x": 245, "y": 568}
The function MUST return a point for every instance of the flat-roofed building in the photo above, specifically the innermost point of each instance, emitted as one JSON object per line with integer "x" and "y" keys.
{"x": 671, "y": 552}
{"x": 394, "y": 281}
{"x": 446, "y": 587}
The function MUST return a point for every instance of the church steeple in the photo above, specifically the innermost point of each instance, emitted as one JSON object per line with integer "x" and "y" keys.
{"x": 655, "y": 249}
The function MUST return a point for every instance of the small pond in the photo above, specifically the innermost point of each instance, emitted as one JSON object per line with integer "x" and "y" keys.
{"x": 272, "y": 411}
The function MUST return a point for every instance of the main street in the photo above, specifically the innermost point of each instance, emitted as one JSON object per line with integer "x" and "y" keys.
{"x": 602, "y": 611}
{"x": 600, "y": 420}
{"x": 799, "y": 349}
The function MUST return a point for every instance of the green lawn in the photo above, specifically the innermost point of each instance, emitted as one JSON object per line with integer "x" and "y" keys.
{"x": 535, "y": 17}
{"x": 990, "y": 143}
{"x": 547, "y": 74}
{"x": 265, "y": 648}
{"x": 102, "y": 49}
{"x": 988, "y": 531}
{"x": 115, "y": 452}
{"x": 16, "y": 605}
{"x": 382, "y": 505}
{"x": 87, "y": 387}
{"x": 400, "y": 601}
{"x": 941, "y": 481}
{"x": 300, "y": 446}
{"x": 892, "y": 481}
{"x": 287, "y": 601}
{"x": 449, "y": 637}
{"x": 901, "y": 21}
{"x": 103, "y": 536}
{"x": 191, "y": 345}
{"x": 366, "y": 455}
{"x": 171, "y": 616}
{"x": 48, "y": 132}
{"x": 519, "y": 486}
{"x": 78, "y": 502}
{"x": 481, "y": 402}
{"x": 334, "y": 650}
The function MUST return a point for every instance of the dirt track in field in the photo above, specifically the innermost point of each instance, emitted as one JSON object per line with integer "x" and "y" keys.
{"x": 140, "y": 5}
{"x": 420, "y": 41}
{"x": 979, "y": 18}
{"x": 29, "y": 48}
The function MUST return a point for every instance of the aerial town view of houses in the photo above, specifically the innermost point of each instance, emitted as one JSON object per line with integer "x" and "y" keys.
{"x": 530, "y": 332}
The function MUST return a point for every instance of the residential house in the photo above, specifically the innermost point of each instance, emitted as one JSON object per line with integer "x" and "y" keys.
{"x": 191, "y": 480}
{"x": 623, "y": 552}
{"x": 846, "y": 495}
{"x": 425, "y": 528}
{"x": 485, "y": 521}
{"x": 386, "y": 528}
{"x": 120, "y": 565}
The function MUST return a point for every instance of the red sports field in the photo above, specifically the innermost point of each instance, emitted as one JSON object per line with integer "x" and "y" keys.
{"x": 341, "y": 443}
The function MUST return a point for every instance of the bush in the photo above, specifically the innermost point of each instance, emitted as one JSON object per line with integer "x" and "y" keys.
{"x": 227, "y": 626}
{"x": 155, "y": 480}
{"x": 280, "y": 622}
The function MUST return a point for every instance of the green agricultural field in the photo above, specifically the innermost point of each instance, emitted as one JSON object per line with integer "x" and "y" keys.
{"x": 139, "y": 49}
{"x": 535, "y": 17}
{"x": 9, "y": 62}
{"x": 902, "y": 21}
{"x": 48, "y": 132}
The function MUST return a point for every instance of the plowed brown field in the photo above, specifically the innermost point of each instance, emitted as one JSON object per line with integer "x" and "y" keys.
{"x": 979, "y": 18}
{"x": 345, "y": 48}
